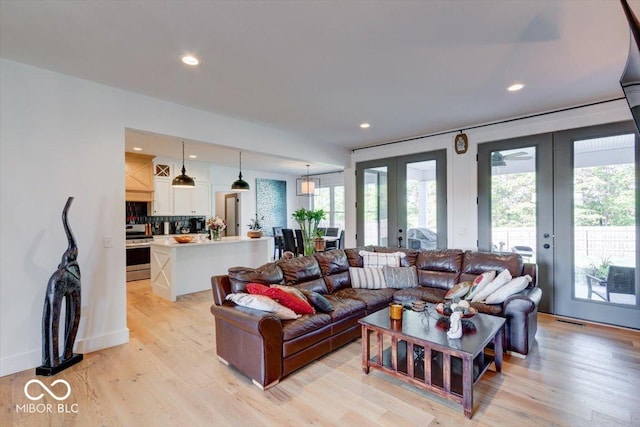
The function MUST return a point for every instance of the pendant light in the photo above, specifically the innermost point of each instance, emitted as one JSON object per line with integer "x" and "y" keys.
{"x": 306, "y": 186}
{"x": 240, "y": 184}
{"x": 183, "y": 180}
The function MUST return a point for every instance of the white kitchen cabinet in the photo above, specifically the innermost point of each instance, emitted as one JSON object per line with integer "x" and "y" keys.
{"x": 192, "y": 201}
{"x": 162, "y": 196}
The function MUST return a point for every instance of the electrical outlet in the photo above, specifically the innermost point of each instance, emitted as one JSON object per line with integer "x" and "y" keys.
{"x": 107, "y": 241}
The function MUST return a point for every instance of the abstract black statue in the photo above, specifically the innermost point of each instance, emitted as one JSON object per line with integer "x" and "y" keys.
{"x": 63, "y": 284}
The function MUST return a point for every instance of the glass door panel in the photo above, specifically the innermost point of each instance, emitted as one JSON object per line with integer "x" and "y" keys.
{"x": 421, "y": 205}
{"x": 513, "y": 202}
{"x": 376, "y": 230}
{"x": 604, "y": 219}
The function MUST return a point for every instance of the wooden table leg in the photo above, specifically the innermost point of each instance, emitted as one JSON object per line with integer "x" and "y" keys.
{"x": 366, "y": 348}
{"x": 467, "y": 386}
{"x": 497, "y": 347}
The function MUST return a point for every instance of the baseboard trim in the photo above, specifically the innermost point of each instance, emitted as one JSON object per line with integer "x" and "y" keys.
{"x": 31, "y": 359}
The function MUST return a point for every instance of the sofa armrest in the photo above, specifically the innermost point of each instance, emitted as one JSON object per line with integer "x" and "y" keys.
{"x": 531, "y": 270}
{"x": 521, "y": 310}
{"x": 249, "y": 340}
{"x": 221, "y": 287}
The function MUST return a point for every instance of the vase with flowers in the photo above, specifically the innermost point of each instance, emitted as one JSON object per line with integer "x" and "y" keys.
{"x": 255, "y": 227}
{"x": 216, "y": 225}
{"x": 308, "y": 220}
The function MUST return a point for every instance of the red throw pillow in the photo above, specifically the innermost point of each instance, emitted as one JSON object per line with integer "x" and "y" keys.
{"x": 298, "y": 305}
{"x": 257, "y": 289}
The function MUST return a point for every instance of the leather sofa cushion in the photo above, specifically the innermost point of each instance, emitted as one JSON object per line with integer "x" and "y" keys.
{"x": 315, "y": 285}
{"x": 332, "y": 262}
{"x": 344, "y": 308}
{"x": 267, "y": 274}
{"x": 428, "y": 294}
{"x": 353, "y": 255}
{"x": 300, "y": 269}
{"x": 372, "y": 298}
{"x": 294, "y": 328}
{"x": 338, "y": 281}
{"x": 437, "y": 279}
{"x": 448, "y": 260}
{"x": 406, "y": 261}
{"x": 476, "y": 263}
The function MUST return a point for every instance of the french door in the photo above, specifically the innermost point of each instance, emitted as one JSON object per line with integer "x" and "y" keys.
{"x": 515, "y": 206}
{"x": 568, "y": 201}
{"x": 401, "y": 201}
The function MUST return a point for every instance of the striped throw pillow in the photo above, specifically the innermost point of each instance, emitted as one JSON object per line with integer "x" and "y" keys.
{"x": 367, "y": 278}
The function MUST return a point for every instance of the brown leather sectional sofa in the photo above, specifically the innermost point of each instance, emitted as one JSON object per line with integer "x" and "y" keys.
{"x": 266, "y": 349}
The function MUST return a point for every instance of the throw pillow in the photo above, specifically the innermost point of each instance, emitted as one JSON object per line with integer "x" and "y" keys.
{"x": 262, "y": 303}
{"x": 401, "y": 277}
{"x": 257, "y": 288}
{"x": 367, "y": 278}
{"x": 458, "y": 291}
{"x": 298, "y": 305}
{"x": 510, "y": 288}
{"x": 479, "y": 283}
{"x": 292, "y": 290}
{"x": 499, "y": 281}
{"x": 318, "y": 301}
{"x": 381, "y": 259}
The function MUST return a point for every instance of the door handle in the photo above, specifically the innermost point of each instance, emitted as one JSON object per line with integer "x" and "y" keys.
{"x": 546, "y": 246}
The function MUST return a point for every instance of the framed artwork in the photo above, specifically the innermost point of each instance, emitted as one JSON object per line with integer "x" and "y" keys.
{"x": 271, "y": 204}
{"x": 461, "y": 143}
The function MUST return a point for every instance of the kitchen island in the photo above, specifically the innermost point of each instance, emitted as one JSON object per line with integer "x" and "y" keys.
{"x": 183, "y": 268}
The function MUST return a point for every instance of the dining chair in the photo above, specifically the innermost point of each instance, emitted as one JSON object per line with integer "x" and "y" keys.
{"x": 338, "y": 243}
{"x": 299, "y": 242}
{"x": 288, "y": 240}
{"x": 278, "y": 243}
{"x": 332, "y": 231}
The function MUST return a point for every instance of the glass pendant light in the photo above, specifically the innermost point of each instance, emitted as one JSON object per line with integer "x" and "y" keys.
{"x": 183, "y": 180}
{"x": 240, "y": 184}
{"x": 306, "y": 186}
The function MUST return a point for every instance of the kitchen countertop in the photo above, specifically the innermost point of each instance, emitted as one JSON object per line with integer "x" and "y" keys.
{"x": 202, "y": 241}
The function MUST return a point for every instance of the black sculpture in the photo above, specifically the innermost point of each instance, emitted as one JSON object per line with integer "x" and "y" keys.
{"x": 63, "y": 284}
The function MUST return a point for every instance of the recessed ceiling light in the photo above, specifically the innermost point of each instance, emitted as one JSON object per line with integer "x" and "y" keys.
{"x": 364, "y": 125}
{"x": 137, "y": 149}
{"x": 193, "y": 156}
{"x": 190, "y": 60}
{"x": 515, "y": 87}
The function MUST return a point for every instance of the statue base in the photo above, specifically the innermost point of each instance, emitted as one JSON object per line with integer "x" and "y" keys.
{"x": 48, "y": 371}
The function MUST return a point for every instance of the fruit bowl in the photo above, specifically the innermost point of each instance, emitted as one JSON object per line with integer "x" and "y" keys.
{"x": 470, "y": 312}
{"x": 183, "y": 239}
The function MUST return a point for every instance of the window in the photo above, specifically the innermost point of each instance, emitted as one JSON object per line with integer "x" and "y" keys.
{"x": 331, "y": 200}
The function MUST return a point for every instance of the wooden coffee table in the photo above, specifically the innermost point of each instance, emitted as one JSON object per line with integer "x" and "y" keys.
{"x": 418, "y": 351}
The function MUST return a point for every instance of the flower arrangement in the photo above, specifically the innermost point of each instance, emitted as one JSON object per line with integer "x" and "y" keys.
{"x": 216, "y": 224}
{"x": 255, "y": 223}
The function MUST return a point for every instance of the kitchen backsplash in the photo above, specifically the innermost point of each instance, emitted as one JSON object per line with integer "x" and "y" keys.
{"x": 136, "y": 213}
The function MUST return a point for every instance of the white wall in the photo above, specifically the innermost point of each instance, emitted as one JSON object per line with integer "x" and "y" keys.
{"x": 462, "y": 168}
{"x": 62, "y": 136}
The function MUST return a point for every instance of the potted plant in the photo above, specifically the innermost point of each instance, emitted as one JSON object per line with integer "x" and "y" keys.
{"x": 308, "y": 221}
{"x": 255, "y": 227}
{"x": 319, "y": 242}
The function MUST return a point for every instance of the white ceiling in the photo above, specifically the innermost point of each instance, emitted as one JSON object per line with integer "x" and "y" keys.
{"x": 320, "y": 68}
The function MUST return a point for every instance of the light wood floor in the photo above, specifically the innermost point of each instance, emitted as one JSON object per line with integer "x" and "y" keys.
{"x": 168, "y": 374}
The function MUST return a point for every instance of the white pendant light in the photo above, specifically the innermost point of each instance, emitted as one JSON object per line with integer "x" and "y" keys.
{"x": 183, "y": 180}
{"x": 306, "y": 186}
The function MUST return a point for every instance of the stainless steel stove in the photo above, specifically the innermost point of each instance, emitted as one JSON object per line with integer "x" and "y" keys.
{"x": 138, "y": 252}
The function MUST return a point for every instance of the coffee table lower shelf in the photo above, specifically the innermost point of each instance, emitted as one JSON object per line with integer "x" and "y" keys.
{"x": 480, "y": 365}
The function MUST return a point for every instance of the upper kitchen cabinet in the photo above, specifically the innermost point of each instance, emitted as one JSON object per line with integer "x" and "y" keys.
{"x": 193, "y": 201}
{"x": 138, "y": 177}
{"x": 181, "y": 201}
